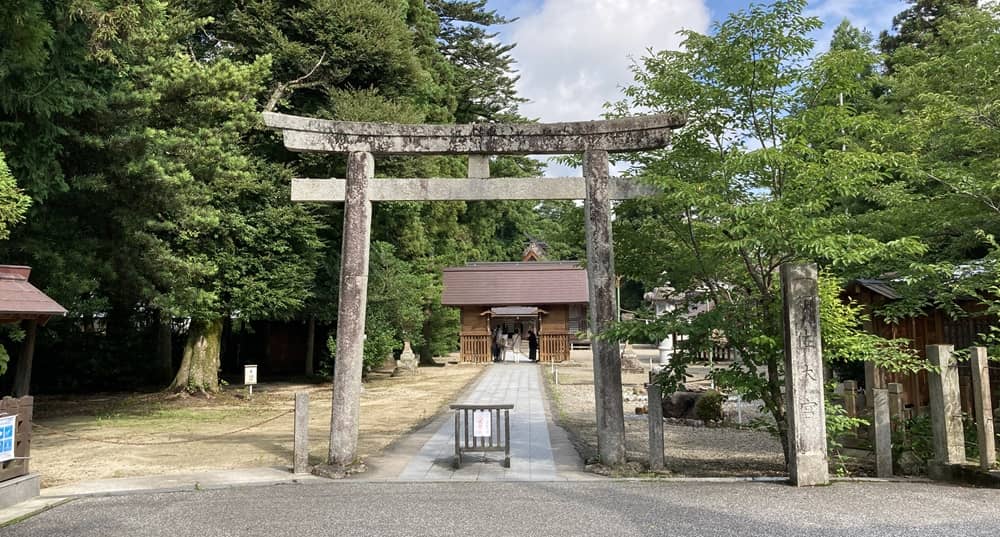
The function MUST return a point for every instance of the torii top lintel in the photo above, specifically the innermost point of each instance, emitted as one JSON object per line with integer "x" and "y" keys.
{"x": 325, "y": 136}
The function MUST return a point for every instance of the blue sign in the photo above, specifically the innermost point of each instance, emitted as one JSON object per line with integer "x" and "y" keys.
{"x": 7, "y": 430}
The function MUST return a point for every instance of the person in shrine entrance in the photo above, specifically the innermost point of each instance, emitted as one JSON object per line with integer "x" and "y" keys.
{"x": 532, "y": 346}
{"x": 515, "y": 342}
{"x": 498, "y": 341}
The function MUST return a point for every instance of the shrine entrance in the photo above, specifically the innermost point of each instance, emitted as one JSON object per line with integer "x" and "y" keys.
{"x": 594, "y": 139}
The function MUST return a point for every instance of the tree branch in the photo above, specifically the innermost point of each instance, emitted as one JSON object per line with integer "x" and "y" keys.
{"x": 299, "y": 82}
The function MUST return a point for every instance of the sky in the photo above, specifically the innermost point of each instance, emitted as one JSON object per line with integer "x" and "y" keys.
{"x": 574, "y": 55}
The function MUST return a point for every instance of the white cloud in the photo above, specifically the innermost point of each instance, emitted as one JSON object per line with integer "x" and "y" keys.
{"x": 874, "y": 16}
{"x": 574, "y": 55}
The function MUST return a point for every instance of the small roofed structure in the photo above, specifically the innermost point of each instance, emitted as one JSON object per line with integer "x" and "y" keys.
{"x": 933, "y": 326}
{"x": 549, "y": 298}
{"x": 21, "y": 301}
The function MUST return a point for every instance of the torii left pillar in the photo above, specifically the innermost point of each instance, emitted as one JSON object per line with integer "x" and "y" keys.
{"x": 348, "y": 365}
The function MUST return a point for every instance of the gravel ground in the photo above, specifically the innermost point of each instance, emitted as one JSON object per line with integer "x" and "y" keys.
{"x": 690, "y": 451}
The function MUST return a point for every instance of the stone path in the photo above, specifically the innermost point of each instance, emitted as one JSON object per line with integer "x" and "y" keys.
{"x": 535, "y": 455}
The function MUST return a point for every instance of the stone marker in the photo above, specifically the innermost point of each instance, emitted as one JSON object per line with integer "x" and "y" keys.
{"x": 807, "y": 459}
{"x": 630, "y": 360}
{"x": 300, "y": 450}
{"x": 655, "y": 416}
{"x": 946, "y": 411}
{"x": 984, "y": 407}
{"x": 883, "y": 434}
{"x": 851, "y": 398}
{"x": 896, "y": 413}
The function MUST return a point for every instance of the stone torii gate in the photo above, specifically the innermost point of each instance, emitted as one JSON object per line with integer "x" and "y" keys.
{"x": 359, "y": 141}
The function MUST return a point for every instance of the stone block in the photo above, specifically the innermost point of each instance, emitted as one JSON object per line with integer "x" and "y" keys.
{"x": 19, "y": 489}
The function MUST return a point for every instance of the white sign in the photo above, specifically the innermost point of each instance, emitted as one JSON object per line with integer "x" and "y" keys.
{"x": 482, "y": 423}
{"x": 8, "y": 425}
{"x": 249, "y": 375}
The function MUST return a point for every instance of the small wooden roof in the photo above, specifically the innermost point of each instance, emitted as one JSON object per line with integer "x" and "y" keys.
{"x": 515, "y": 284}
{"x": 21, "y": 300}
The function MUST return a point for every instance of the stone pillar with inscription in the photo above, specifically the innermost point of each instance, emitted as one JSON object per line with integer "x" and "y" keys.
{"x": 883, "y": 433}
{"x": 979, "y": 363}
{"x": 946, "y": 411}
{"x": 807, "y": 457}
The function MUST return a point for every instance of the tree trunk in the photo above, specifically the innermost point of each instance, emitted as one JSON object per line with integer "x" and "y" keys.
{"x": 199, "y": 371}
{"x": 426, "y": 356}
{"x": 164, "y": 349}
{"x": 310, "y": 344}
{"x": 22, "y": 380}
{"x": 774, "y": 383}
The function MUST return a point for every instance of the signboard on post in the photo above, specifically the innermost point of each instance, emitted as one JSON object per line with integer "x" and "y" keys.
{"x": 250, "y": 376}
{"x": 482, "y": 423}
{"x": 8, "y": 426}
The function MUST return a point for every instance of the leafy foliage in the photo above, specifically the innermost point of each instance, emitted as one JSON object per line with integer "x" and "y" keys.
{"x": 764, "y": 173}
{"x": 13, "y": 203}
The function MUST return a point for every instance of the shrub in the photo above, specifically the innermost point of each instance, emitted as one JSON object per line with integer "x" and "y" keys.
{"x": 709, "y": 406}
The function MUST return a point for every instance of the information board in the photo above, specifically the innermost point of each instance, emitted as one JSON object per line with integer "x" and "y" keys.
{"x": 482, "y": 423}
{"x": 8, "y": 425}
{"x": 249, "y": 375}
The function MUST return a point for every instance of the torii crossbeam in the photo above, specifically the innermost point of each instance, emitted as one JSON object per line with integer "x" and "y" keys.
{"x": 361, "y": 140}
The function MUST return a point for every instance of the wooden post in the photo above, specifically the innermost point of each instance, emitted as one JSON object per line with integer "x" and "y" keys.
{"x": 984, "y": 407}
{"x": 22, "y": 379}
{"x": 655, "y": 415}
{"x": 601, "y": 280}
{"x": 300, "y": 451}
{"x": 351, "y": 312}
{"x": 807, "y": 458}
{"x": 883, "y": 433}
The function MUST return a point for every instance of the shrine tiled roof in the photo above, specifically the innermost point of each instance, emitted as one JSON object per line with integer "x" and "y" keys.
{"x": 521, "y": 284}
{"x": 21, "y": 300}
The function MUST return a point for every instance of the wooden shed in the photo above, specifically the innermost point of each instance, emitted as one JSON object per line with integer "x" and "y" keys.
{"x": 547, "y": 297}
{"x": 934, "y": 327}
{"x": 21, "y": 302}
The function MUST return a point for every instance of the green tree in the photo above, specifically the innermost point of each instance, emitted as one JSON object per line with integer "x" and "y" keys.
{"x": 13, "y": 206}
{"x": 13, "y": 203}
{"x": 751, "y": 181}
{"x": 918, "y": 25}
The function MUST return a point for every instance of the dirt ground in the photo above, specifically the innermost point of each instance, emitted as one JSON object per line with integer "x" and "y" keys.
{"x": 82, "y": 438}
{"x": 690, "y": 451}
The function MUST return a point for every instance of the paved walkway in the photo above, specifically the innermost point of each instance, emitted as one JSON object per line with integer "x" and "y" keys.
{"x": 540, "y": 450}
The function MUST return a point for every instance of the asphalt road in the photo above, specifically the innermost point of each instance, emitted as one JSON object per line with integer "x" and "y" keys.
{"x": 581, "y": 509}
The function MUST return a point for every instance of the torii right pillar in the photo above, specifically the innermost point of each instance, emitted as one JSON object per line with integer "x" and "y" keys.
{"x": 804, "y": 410}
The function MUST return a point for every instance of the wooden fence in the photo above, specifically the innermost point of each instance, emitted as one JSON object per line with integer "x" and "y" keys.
{"x": 475, "y": 348}
{"x": 22, "y": 407}
{"x": 553, "y": 347}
